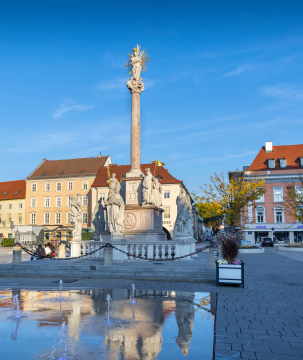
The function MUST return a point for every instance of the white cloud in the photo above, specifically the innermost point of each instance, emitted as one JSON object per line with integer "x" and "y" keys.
{"x": 68, "y": 105}
{"x": 239, "y": 70}
{"x": 282, "y": 91}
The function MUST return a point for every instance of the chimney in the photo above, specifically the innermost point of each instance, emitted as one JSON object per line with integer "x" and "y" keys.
{"x": 268, "y": 146}
{"x": 100, "y": 155}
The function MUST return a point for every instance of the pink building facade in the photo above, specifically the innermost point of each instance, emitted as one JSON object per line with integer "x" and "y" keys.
{"x": 281, "y": 166}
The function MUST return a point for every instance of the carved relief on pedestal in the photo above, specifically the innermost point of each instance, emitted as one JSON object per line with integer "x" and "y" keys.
{"x": 132, "y": 192}
{"x": 129, "y": 221}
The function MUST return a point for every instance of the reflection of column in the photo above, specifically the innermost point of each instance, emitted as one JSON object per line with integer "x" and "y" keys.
{"x": 185, "y": 314}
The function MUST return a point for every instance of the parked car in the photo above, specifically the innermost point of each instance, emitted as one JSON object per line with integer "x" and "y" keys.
{"x": 266, "y": 241}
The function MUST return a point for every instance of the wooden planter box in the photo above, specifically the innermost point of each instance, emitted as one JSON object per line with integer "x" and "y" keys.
{"x": 229, "y": 274}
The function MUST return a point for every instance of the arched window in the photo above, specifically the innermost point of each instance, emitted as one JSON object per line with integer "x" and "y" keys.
{"x": 260, "y": 214}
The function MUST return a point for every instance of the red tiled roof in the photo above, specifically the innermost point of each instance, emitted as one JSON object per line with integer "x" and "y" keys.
{"x": 120, "y": 170}
{"x": 14, "y": 190}
{"x": 68, "y": 168}
{"x": 289, "y": 152}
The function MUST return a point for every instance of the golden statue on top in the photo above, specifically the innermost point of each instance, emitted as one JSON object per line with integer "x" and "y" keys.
{"x": 137, "y": 62}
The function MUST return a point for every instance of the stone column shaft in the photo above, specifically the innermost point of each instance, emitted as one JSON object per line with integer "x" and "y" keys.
{"x": 135, "y": 133}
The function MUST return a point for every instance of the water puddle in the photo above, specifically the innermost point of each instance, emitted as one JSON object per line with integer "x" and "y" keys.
{"x": 113, "y": 324}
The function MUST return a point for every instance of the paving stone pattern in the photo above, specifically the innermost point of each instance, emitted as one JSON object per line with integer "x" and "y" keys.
{"x": 265, "y": 319}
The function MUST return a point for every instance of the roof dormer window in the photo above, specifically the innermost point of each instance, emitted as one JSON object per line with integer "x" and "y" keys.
{"x": 282, "y": 163}
{"x": 5, "y": 193}
{"x": 271, "y": 163}
{"x": 301, "y": 161}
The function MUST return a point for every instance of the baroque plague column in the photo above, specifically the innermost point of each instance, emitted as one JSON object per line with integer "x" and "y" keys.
{"x": 141, "y": 221}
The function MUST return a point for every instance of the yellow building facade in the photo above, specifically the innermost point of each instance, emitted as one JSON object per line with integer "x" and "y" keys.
{"x": 12, "y": 206}
{"x": 50, "y": 187}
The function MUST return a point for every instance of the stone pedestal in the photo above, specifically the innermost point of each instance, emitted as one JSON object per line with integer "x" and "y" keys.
{"x": 143, "y": 223}
{"x": 61, "y": 250}
{"x": 75, "y": 249}
{"x": 17, "y": 254}
{"x": 108, "y": 255}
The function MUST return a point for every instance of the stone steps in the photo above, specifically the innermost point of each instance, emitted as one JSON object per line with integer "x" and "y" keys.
{"x": 109, "y": 272}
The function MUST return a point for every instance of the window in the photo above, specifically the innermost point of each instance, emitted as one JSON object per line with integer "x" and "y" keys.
{"x": 10, "y": 206}
{"x": 70, "y": 185}
{"x": 85, "y": 185}
{"x": 59, "y": 201}
{"x": 33, "y": 202}
{"x": 46, "y": 218}
{"x": 299, "y": 191}
{"x": 47, "y": 186}
{"x": 278, "y": 194}
{"x": 279, "y": 214}
{"x": 68, "y": 218}
{"x": 84, "y": 218}
{"x": 9, "y": 220}
{"x": 59, "y": 186}
{"x": 20, "y": 205}
{"x": 271, "y": 163}
{"x": 282, "y": 163}
{"x": 0, "y": 206}
{"x": 301, "y": 161}
{"x": 17, "y": 192}
{"x": 34, "y": 187}
{"x": 20, "y": 219}
{"x": 58, "y": 218}
{"x": 260, "y": 199}
{"x": 69, "y": 201}
{"x": 84, "y": 200}
{"x": 167, "y": 212}
{"x": 102, "y": 196}
{"x": 47, "y": 202}
{"x": 166, "y": 194}
{"x": 260, "y": 214}
{"x": 33, "y": 219}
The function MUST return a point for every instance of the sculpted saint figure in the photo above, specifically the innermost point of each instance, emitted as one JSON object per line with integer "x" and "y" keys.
{"x": 115, "y": 206}
{"x": 157, "y": 192}
{"x": 184, "y": 219}
{"x": 76, "y": 216}
{"x": 147, "y": 187}
{"x": 135, "y": 61}
{"x": 99, "y": 221}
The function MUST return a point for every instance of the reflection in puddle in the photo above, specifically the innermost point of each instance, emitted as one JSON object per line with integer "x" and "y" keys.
{"x": 157, "y": 325}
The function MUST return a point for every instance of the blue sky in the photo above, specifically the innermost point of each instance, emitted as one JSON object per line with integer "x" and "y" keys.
{"x": 225, "y": 76}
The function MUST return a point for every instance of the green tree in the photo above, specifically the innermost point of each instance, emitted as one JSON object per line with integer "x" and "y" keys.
{"x": 211, "y": 213}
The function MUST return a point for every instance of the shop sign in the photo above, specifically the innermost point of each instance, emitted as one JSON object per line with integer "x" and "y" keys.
{"x": 261, "y": 227}
{"x": 300, "y": 226}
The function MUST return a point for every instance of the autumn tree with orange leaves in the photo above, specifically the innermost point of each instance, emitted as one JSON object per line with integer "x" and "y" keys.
{"x": 230, "y": 197}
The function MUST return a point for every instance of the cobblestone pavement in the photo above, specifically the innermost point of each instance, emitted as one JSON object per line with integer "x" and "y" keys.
{"x": 264, "y": 320}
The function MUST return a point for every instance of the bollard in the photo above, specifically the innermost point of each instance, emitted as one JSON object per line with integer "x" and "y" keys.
{"x": 213, "y": 256}
{"x": 61, "y": 251}
{"x": 108, "y": 255}
{"x": 17, "y": 254}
